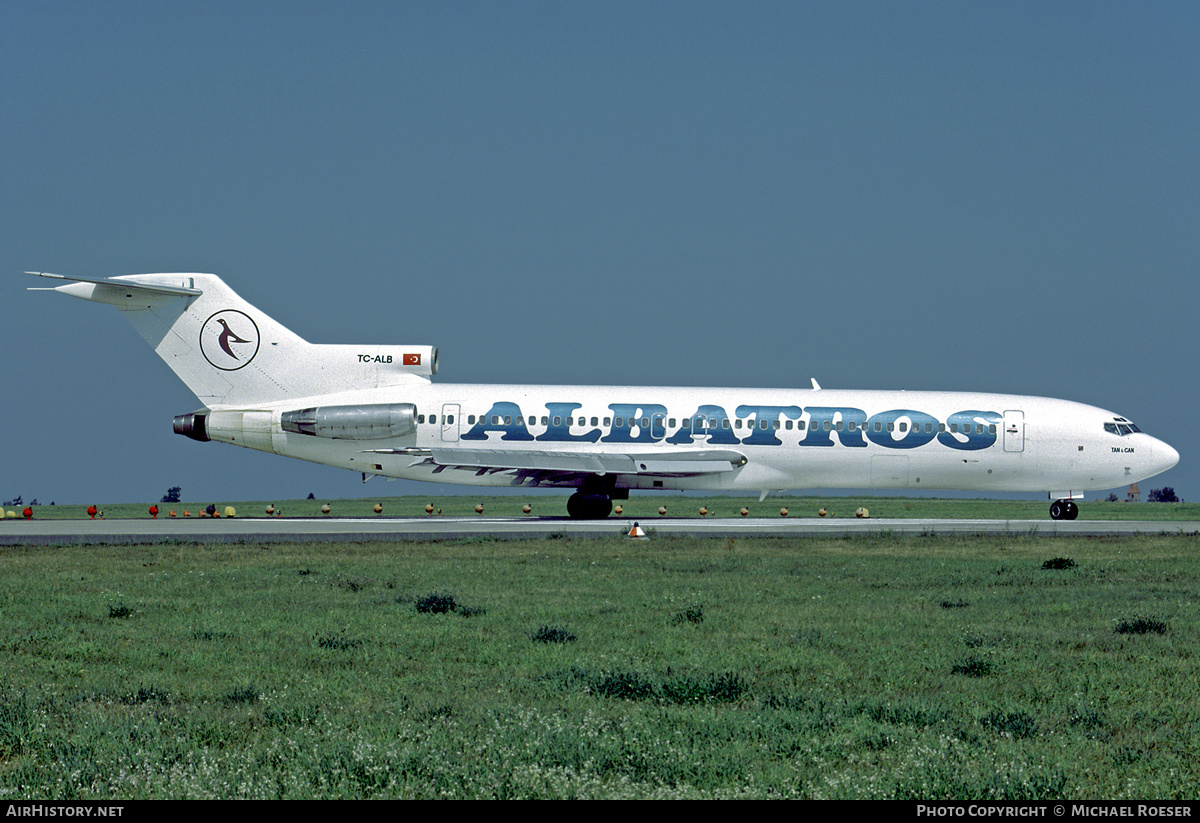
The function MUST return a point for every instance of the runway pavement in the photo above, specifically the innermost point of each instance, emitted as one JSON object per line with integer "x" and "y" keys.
{"x": 331, "y": 529}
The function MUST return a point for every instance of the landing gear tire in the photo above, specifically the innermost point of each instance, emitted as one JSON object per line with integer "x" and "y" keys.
{"x": 1064, "y": 510}
{"x": 583, "y": 506}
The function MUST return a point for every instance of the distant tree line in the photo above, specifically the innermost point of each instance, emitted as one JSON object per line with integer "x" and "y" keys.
{"x": 1164, "y": 495}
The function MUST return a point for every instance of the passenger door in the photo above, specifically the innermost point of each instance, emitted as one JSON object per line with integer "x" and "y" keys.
{"x": 1014, "y": 431}
{"x": 450, "y": 415}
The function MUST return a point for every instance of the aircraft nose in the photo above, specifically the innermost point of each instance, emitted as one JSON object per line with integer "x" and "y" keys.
{"x": 1164, "y": 456}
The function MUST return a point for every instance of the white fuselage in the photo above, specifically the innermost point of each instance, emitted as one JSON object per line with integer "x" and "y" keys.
{"x": 791, "y": 439}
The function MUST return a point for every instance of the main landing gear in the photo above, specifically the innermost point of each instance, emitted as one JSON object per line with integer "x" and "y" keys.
{"x": 1064, "y": 510}
{"x": 584, "y": 505}
{"x": 593, "y": 500}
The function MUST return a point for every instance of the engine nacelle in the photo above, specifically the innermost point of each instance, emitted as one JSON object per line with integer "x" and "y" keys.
{"x": 379, "y": 421}
{"x": 193, "y": 425}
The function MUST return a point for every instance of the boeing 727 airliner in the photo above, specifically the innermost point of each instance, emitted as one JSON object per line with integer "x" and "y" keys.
{"x": 375, "y": 410}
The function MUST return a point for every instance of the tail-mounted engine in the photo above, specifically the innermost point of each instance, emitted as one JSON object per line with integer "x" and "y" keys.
{"x": 193, "y": 425}
{"x": 379, "y": 421}
{"x": 253, "y": 429}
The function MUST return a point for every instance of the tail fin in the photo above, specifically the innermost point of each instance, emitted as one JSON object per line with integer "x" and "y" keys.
{"x": 233, "y": 355}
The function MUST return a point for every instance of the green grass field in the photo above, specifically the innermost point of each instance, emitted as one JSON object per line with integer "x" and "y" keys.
{"x": 645, "y": 506}
{"x": 871, "y": 667}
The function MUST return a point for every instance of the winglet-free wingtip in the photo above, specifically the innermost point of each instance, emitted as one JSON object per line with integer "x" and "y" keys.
{"x": 814, "y": 382}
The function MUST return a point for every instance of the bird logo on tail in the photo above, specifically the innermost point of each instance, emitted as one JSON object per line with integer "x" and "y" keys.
{"x": 228, "y": 335}
{"x": 229, "y": 339}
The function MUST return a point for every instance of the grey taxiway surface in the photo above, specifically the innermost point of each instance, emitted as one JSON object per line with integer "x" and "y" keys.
{"x": 330, "y": 529}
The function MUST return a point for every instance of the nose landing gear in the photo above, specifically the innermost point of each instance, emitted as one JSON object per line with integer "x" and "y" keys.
{"x": 1064, "y": 510}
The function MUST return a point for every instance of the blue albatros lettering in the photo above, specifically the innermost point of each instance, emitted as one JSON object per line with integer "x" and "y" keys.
{"x": 846, "y": 423}
{"x": 762, "y": 423}
{"x": 710, "y": 422}
{"x": 637, "y": 423}
{"x": 968, "y": 430}
{"x": 904, "y": 429}
{"x": 503, "y": 417}
{"x": 559, "y": 430}
{"x": 975, "y": 430}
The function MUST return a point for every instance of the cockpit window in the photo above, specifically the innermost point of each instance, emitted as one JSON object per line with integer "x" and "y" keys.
{"x": 1121, "y": 428}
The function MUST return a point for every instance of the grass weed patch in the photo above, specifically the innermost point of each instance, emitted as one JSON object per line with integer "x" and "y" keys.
{"x": 1059, "y": 563}
{"x": 692, "y": 614}
{"x": 339, "y": 642}
{"x": 668, "y": 688}
{"x": 552, "y": 634}
{"x": 436, "y": 603}
{"x": 973, "y": 667}
{"x": 1142, "y": 625}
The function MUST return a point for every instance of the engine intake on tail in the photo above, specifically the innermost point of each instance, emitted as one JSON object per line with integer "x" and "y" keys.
{"x": 374, "y": 422}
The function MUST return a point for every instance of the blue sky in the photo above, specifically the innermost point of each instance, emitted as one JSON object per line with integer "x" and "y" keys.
{"x": 973, "y": 196}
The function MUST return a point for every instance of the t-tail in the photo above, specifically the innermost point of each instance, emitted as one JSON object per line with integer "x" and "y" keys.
{"x": 232, "y": 355}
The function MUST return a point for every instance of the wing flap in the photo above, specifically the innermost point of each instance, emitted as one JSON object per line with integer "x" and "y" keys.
{"x": 666, "y": 464}
{"x": 558, "y": 466}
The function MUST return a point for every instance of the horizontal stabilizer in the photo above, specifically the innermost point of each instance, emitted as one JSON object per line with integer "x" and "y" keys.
{"x": 116, "y": 291}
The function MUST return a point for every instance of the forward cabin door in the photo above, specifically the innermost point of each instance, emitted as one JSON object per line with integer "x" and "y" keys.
{"x": 450, "y": 415}
{"x": 1014, "y": 431}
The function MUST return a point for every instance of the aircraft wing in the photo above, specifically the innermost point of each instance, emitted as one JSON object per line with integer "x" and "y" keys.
{"x": 536, "y": 467}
